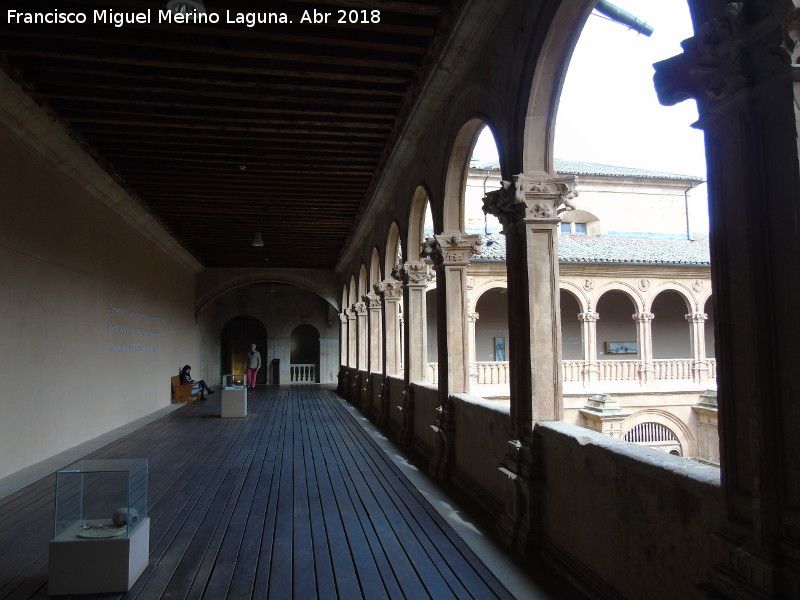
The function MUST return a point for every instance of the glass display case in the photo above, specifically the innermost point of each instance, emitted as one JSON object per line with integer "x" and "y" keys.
{"x": 234, "y": 396}
{"x": 233, "y": 382}
{"x": 101, "y": 537}
{"x": 100, "y": 499}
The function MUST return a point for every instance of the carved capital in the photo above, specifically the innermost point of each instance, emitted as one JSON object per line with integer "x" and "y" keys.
{"x": 697, "y": 317}
{"x": 372, "y": 300}
{"x": 546, "y": 199}
{"x": 472, "y": 317}
{"x": 745, "y": 45}
{"x": 360, "y": 309}
{"x": 397, "y": 272}
{"x": 643, "y": 317}
{"x": 589, "y": 316}
{"x": 351, "y": 312}
{"x": 458, "y": 248}
{"x": 343, "y": 316}
{"x": 505, "y": 204}
{"x": 391, "y": 289}
{"x": 431, "y": 249}
{"x": 417, "y": 273}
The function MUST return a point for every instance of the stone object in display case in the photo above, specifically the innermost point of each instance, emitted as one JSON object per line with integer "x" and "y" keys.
{"x": 101, "y": 538}
{"x": 234, "y": 396}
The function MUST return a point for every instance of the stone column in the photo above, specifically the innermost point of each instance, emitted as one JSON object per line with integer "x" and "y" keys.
{"x": 416, "y": 278}
{"x": 375, "y": 335}
{"x": 742, "y": 69}
{"x": 697, "y": 336}
{"x": 362, "y": 330}
{"x": 589, "y": 334}
{"x": 327, "y": 359}
{"x": 528, "y": 209}
{"x": 343, "y": 337}
{"x": 391, "y": 291}
{"x": 352, "y": 343}
{"x": 450, "y": 254}
{"x": 644, "y": 338}
{"x": 472, "y": 318}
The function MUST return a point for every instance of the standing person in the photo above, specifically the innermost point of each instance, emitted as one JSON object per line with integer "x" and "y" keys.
{"x": 253, "y": 364}
{"x": 186, "y": 379}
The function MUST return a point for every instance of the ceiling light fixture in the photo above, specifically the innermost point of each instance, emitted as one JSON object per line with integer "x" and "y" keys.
{"x": 186, "y": 6}
{"x": 257, "y": 240}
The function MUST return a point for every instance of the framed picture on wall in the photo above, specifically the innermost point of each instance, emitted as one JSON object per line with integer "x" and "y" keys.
{"x": 622, "y": 347}
{"x": 499, "y": 349}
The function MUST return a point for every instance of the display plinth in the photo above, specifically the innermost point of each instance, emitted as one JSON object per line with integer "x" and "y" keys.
{"x": 98, "y": 566}
{"x": 234, "y": 396}
{"x": 101, "y": 541}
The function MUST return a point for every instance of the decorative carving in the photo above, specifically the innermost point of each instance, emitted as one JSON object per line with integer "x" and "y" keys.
{"x": 643, "y": 317}
{"x": 360, "y": 309}
{"x": 391, "y": 289}
{"x": 697, "y": 285}
{"x": 397, "y": 271}
{"x": 417, "y": 273}
{"x": 588, "y": 284}
{"x": 431, "y": 249}
{"x": 548, "y": 198}
{"x": 372, "y": 300}
{"x": 737, "y": 49}
{"x": 588, "y": 316}
{"x": 470, "y": 282}
{"x": 343, "y": 316}
{"x": 505, "y": 204}
{"x": 644, "y": 284}
{"x": 697, "y": 317}
{"x": 472, "y": 317}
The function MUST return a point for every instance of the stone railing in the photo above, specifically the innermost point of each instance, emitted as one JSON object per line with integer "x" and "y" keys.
{"x": 301, "y": 373}
{"x": 575, "y": 371}
{"x": 492, "y": 373}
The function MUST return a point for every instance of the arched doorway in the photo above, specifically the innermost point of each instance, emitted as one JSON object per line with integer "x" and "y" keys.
{"x": 237, "y": 336}
{"x": 304, "y": 355}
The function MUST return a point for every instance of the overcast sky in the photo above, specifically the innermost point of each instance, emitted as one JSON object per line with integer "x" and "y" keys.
{"x": 609, "y": 112}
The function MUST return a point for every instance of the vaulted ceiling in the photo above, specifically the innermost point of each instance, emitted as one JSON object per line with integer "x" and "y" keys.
{"x": 224, "y": 130}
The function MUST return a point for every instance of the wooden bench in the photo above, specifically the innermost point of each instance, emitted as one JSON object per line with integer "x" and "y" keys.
{"x": 183, "y": 393}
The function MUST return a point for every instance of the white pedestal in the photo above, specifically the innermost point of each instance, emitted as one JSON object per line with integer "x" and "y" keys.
{"x": 87, "y": 566}
{"x": 234, "y": 403}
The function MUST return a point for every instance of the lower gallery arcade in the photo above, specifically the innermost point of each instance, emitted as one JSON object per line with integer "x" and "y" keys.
{"x": 95, "y": 306}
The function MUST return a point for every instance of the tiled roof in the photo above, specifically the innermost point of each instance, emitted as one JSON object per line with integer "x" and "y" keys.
{"x": 577, "y": 167}
{"x": 602, "y": 249}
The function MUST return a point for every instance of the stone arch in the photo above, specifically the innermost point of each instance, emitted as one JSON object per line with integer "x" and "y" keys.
{"x": 393, "y": 250}
{"x": 416, "y": 224}
{"x": 683, "y": 291}
{"x": 486, "y": 286}
{"x": 456, "y": 176}
{"x": 353, "y": 295}
{"x": 625, "y": 288}
{"x": 304, "y": 354}
{"x": 578, "y": 292}
{"x": 616, "y": 324}
{"x": 363, "y": 282}
{"x": 374, "y": 269}
{"x": 671, "y": 335}
{"x": 548, "y": 77}
{"x": 668, "y": 420}
{"x": 571, "y": 327}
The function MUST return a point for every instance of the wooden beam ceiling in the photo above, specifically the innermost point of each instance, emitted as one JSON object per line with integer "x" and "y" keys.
{"x": 222, "y": 130}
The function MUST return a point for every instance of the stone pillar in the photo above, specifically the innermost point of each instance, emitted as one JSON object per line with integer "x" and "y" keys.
{"x": 591, "y": 371}
{"x": 343, "y": 336}
{"x": 362, "y": 330}
{"x": 707, "y": 429}
{"x": 416, "y": 278}
{"x": 528, "y": 209}
{"x": 391, "y": 291}
{"x": 742, "y": 69}
{"x": 328, "y": 359}
{"x": 450, "y": 254}
{"x": 472, "y": 318}
{"x": 375, "y": 335}
{"x": 281, "y": 348}
{"x": 644, "y": 337}
{"x": 352, "y": 343}
{"x": 697, "y": 336}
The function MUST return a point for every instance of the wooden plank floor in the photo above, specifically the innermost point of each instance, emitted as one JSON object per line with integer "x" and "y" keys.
{"x": 294, "y": 501}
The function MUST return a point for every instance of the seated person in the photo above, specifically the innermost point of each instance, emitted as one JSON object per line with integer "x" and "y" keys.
{"x": 186, "y": 379}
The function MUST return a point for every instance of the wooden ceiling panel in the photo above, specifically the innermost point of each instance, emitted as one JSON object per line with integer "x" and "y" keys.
{"x": 223, "y": 130}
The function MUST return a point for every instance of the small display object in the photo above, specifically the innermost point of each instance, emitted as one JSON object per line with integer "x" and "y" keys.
{"x": 233, "y": 382}
{"x": 101, "y": 539}
{"x": 234, "y": 396}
